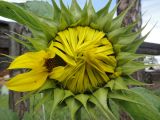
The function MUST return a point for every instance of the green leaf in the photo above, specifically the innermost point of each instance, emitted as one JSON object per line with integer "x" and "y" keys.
{"x": 73, "y": 105}
{"x": 25, "y": 17}
{"x": 8, "y": 114}
{"x": 114, "y": 108}
{"x": 148, "y": 96}
{"x": 147, "y": 110}
{"x": 40, "y": 8}
{"x": 18, "y": 14}
{"x": 125, "y": 95}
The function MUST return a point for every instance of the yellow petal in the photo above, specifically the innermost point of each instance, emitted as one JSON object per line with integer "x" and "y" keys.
{"x": 51, "y": 51}
{"x": 56, "y": 72}
{"x": 27, "y": 81}
{"x": 29, "y": 60}
{"x": 65, "y": 57}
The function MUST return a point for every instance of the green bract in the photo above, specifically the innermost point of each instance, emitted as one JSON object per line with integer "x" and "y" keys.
{"x": 111, "y": 73}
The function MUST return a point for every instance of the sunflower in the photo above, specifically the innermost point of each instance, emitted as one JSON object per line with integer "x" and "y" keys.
{"x": 84, "y": 57}
{"x": 40, "y": 65}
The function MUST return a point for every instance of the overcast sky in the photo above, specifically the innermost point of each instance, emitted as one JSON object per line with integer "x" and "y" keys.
{"x": 149, "y": 7}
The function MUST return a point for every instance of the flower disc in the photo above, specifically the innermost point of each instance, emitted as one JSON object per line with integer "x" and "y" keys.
{"x": 89, "y": 56}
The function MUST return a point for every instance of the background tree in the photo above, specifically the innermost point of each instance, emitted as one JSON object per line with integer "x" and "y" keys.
{"x": 132, "y": 15}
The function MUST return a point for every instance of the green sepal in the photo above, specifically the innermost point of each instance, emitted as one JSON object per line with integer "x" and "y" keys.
{"x": 119, "y": 84}
{"x": 66, "y": 13}
{"x": 104, "y": 11}
{"x": 99, "y": 98}
{"x": 67, "y": 93}
{"x": 49, "y": 84}
{"x": 56, "y": 12}
{"x": 73, "y": 105}
{"x": 132, "y": 67}
{"x": 58, "y": 97}
{"x": 124, "y": 57}
{"x": 131, "y": 81}
{"x": 84, "y": 19}
{"x": 110, "y": 84}
{"x": 114, "y": 35}
{"x": 128, "y": 38}
{"x": 91, "y": 12}
{"x": 103, "y": 22}
{"x": 83, "y": 99}
{"x": 135, "y": 45}
{"x": 75, "y": 10}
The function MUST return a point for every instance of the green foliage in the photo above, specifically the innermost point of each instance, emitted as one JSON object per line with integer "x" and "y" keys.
{"x": 45, "y": 21}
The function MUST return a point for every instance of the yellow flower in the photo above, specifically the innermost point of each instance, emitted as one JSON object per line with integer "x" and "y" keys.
{"x": 87, "y": 58}
{"x": 93, "y": 55}
{"x": 40, "y": 65}
{"x": 89, "y": 62}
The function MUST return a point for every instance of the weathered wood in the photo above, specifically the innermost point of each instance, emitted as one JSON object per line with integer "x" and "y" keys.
{"x": 149, "y": 48}
{"x": 14, "y": 97}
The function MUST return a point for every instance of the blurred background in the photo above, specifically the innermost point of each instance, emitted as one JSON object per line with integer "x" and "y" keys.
{"x": 147, "y": 9}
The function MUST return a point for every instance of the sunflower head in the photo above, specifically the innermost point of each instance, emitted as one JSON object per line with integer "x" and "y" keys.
{"x": 82, "y": 56}
{"x": 91, "y": 58}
